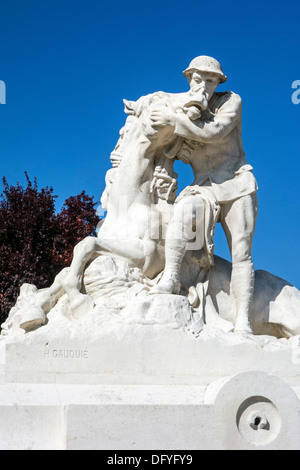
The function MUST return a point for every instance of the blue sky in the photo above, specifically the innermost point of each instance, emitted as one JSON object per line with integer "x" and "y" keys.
{"x": 68, "y": 64}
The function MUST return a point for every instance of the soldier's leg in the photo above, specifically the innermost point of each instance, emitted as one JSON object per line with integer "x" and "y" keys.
{"x": 185, "y": 230}
{"x": 238, "y": 220}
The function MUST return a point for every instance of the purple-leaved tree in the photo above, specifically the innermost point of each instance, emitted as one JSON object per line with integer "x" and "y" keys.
{"x": 36, "y": 243}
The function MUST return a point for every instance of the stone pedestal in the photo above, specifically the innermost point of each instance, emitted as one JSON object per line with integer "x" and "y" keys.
{"x": 148, "y": 387}
{"x": 249, "y": 411}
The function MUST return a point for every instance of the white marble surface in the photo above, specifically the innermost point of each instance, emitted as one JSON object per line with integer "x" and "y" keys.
{"x": 221, "y": 416}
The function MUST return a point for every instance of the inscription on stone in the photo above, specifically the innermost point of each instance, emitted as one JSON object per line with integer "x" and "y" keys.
{"x": 66, "y": 353}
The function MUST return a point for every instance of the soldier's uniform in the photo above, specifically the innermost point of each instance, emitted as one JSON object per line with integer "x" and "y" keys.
{"x": 213, "y": 146}
{"x": 216, "y": 148}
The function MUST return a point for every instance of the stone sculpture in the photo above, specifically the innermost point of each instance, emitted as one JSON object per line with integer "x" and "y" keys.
{"x": 154, "y": 244}
{"x": 166, "y": 345}
{"x": 219, "y": 165}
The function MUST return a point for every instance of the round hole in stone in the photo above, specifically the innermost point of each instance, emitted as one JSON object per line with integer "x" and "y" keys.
{"x": 258, "y": 421}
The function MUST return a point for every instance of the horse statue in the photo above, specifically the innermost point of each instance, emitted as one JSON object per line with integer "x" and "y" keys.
{"x": 140, "y": 196}
{"x": 141, "y": 189}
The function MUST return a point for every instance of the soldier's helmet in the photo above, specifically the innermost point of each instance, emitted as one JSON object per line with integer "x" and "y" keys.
{"x": 204, "y": 63}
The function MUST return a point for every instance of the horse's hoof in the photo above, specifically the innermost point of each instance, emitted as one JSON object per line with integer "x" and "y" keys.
{"x": 32, "y": 318}
{"x": 81, "y": 305}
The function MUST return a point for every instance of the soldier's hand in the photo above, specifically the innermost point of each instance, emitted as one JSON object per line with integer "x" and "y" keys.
{"x": 163, "y": 117}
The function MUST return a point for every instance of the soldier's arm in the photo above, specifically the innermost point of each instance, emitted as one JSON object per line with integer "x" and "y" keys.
{"x": 227, "y": 117}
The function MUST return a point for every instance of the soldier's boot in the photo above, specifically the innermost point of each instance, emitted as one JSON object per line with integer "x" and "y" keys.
{"x": 170, "y": 281}
{"x": 242, "y": 288}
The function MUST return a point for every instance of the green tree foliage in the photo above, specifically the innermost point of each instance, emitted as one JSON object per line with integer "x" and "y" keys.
{"x": 35, "y": 242}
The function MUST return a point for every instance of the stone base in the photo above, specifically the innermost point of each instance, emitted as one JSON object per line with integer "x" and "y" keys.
{"x": 106, "y": 383}
{"x": 142, "y": 354}
{"x": 249, "y": 411}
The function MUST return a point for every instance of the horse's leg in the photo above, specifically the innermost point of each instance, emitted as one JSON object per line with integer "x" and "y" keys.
{"x": 135, "y": 250}
{"x": 47, "y": 298}
{"x": 41, "y": 304}
{"x": 82, "y": 254}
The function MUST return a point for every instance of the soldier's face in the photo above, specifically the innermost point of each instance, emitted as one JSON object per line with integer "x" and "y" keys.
{"x": 206, "y": 81}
